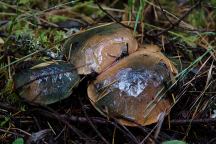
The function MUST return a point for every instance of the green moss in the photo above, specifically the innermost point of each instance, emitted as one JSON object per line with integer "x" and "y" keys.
{"x": 197, "y": 18}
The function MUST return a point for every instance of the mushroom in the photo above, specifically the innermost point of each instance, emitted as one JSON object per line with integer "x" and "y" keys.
{"x": 134, "y": 89}
{"x": 131, "y": 84}
{"x": 97, "y": 48}
{"x": 46, "y": 83}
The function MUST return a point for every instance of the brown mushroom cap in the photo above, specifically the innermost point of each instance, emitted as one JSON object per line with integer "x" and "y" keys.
{"x": 134, "y": 87}
{"x": 95, "y": 49}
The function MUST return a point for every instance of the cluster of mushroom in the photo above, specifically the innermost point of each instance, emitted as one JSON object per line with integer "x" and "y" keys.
{"x": 131, "y": 79}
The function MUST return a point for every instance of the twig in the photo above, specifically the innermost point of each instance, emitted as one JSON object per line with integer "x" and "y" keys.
{"x": 100, "y": 120}
{"x": 111, "y": 17}
{"x": 8, "y": 107}
{"x": 159, "y": 125}
{"x": 22, "y": 131}
{"x": 13, "y": 133}
{"x": 93, "y": 125}
{"x": 51, "y": 113}
{"x": 163, "y": 12}
{"x": 178, "y": 21}
{"x": 207, "y": 121}
{"x": 131, "y": 135}
{"x": 60, "y": 133}
{"x": 197, "y": 30}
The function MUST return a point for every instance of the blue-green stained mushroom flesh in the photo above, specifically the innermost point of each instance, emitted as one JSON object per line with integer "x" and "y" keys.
{"x": 46, "y": 83}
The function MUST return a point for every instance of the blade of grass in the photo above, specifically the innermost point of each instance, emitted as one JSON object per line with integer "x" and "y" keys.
{"x": 139, "y": 16}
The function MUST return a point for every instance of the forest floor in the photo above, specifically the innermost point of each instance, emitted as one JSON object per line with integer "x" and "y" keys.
{"x": 185, "y": 30}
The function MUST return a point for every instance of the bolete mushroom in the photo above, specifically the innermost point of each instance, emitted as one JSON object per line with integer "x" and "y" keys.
{"x": 46, "y": 83}
{"x": 130, "y": 88}
{"x": 134, "y": 88}
{"x": 97, "y": 48}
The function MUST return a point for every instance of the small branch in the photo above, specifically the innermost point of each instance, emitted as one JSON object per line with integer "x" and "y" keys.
{"x": 100, "y": 120}
{"x": 163, "y": 12}
{"x": 94, "y": 127}
{"x": 9, "y": 132}
{"x": 111, "y": 17}
{"x": 52, "y": 114}
{"x": 207, "y": 121}
{"x": 178, "y": 21}
{"x": 8, "y": 107}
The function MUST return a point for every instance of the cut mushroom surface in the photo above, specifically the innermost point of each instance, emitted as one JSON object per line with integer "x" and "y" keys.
{"x": 47, "y": 82}
{"x": 95, "y": 49}
{"x": 134, "y": 88}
